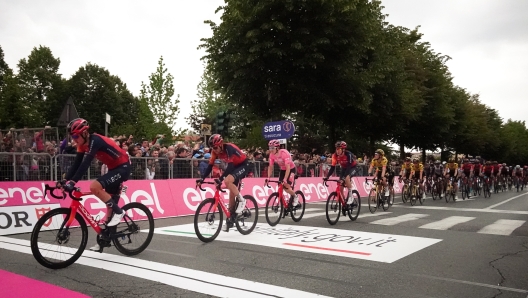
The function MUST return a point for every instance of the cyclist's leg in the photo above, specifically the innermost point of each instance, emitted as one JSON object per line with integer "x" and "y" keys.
{"x": 234, "y": 175}
{"x": 110, "y": 183}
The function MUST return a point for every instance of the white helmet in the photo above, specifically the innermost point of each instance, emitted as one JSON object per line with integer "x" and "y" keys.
{"x": 517, "y": 166}
{"x": 443, "y": 162}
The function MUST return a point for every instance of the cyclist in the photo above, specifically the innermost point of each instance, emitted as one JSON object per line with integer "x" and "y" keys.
{"x": 106, "y": 187}
{"x": 504, "y": 173}
{"x": 417, "y": 170}
{"x": 287, "y": 167}
{"x": 518, "y": 172}
{"x": 477, "y": 172}
{"x": 236, "y": 170}
{"x": 380, "y": 163}
{"x": 438, "y": 171}
{"x": 406, "y": 168}
{"x": 348, "y": 163}
{"x": 451, "y": 172}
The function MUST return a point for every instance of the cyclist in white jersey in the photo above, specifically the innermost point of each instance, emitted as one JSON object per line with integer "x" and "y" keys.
{"x": 287, "y": 168}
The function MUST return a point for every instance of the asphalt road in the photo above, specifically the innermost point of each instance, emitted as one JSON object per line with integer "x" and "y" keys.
{"x": 472, "y": 248}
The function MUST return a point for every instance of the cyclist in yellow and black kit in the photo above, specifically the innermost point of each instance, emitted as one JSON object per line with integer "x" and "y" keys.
{"x": 451, "y": 170}
{"x": 417, "y": 170}
{"x": 406, "y": 168}
{"x": 380, "y": 163}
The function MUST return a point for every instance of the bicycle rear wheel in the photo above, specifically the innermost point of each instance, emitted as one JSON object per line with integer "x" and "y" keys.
{"x": 448, "y": 193}
{"x": 298, "y": 211}
{"x": 208, "y": 220}
{"x": 373, "y": 201}
{"x": 134, "y": 232}
{"x": 355, "y": 207}
{"x": 333, "y": 208}
{"x": 55, "y": 246}
{"x": 246, "y": 221}
{"x": 274, "y": 209}
{"x": 404, "y": 193}
{"x": 434, "y": 191}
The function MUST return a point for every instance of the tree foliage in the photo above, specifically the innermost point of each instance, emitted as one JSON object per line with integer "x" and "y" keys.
{"x": 158, "y": 95}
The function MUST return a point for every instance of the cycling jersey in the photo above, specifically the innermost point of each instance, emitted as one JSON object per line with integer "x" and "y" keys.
{"x": 417, "y": 167}
{"x": 104, "y": 149}
{"x": 518, "y": 173}
{"x": 496, "y": 168}
{"x": 345, "y": 160}
{"x": 487, "y": 170}
{"x": 477, "y": 168}
{"x": 504, "y": 170}
{"x": 438, "y": 170}
{"x": 452, "y": 166}
{"x": 282, "y": 158}
{"x": 236, "y": 162}
{"x": 406, "y": 167}
{"x": 379, "y": 163}
{"x": 466, "y": 167}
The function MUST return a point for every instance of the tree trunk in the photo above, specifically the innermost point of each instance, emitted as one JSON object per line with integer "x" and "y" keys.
{"x": 402, "y": 151}
{"x": 423, "y": 155}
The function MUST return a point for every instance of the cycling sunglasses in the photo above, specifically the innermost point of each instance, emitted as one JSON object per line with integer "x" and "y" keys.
{"x": 75, "y": 137}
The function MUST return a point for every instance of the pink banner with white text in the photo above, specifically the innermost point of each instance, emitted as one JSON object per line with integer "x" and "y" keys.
{"x": 164, "y": 198}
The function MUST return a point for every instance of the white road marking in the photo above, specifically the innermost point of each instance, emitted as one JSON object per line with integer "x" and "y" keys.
{"x": 184, "y": 278}
{"x": 373, "y": 214}
{"x": 502, "y": 227}
{"x": 505, "y": 201}
{"x": 399, "y": 219}
{"x": 313, "y": 215}
{"x": 446, "y": 223}
{"x": 466, "y": 209}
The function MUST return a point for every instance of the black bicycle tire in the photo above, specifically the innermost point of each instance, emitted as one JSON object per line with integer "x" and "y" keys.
{"x": 358, "y": 199}
{"x": 333, "y": 197}
{"x": 293, "y": 213}
{"x": 132, "y": 252}
{"x": 274, "y": 196}
{"x": 210, "y": 201}
{"x": 372, "y": 204}
{"x": 254, "y": 215}
{"x": 36, "y": 230}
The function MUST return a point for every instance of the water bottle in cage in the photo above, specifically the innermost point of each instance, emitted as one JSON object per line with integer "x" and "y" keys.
{"x": 124, "y": 189}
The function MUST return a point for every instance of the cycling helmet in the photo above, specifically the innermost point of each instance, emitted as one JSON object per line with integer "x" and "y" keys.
{"x": 77, "y": 126}
{"x": 504, "y": 164}
{"x": 274, "y": 144}
{"x": 380, "y": 152}
{"x": 415, "y": 159}
{"x": 443, "y": 162}
{"x": 407, "y": 159}
{"x": 437, "y": 162}
{"x": 215, "y": 140}
{"x": 341, "y": 144}
{"x": 517, "y": 166}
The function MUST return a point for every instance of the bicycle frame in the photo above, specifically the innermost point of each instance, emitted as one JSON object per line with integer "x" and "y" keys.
{"x": 76, "y": 206}
{"x": 218, "y": 199}
{"x": 280, "y": 189}
{"x": 338, "y": 189}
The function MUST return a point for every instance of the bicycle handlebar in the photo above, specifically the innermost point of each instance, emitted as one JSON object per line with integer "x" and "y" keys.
{"x": 332, "y": 180}
{"x": 51, "y": 190}
{"x": 218, "y": 186}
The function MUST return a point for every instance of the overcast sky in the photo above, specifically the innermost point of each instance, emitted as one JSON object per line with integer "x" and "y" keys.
{"x": 486, "y": 39}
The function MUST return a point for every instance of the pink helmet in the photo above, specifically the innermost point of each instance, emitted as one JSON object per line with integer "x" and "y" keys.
{"x": 274, "y": 143}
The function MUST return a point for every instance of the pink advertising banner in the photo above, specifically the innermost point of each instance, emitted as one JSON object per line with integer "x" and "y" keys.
{"x": 164, "y": 198}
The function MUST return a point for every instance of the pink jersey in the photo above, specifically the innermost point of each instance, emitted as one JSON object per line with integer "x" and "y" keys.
{"x": 282, "y": 160}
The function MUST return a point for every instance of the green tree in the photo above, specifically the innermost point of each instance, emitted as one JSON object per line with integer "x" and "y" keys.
{"x": 38, "y": 77}
{"x": 277, "y": 56}
{"x": 206, "y": 106}
{"x": 159, "y": 95}
{"x": 514, "y": 136}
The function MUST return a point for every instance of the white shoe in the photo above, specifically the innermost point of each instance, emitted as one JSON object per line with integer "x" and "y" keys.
{"x": 95, "y": 248}
{"x": 441, "y": 195}
{"x": 387, "y": 193}
{"x": 456, "y": 198}
{"x": 295, "y": 200}
{"x": 115, "y": 219}
{"x": 241, "y": 205}
{"x": 350, "y": 200}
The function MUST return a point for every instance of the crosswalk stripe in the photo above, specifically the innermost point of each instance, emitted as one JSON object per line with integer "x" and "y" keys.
{"x": 373, "y": 214}
{"x": 447, "y": 223}
{"x": 502, "y": 227}
{"x": 313, "y": 214}
{"x": 399, "y": 219}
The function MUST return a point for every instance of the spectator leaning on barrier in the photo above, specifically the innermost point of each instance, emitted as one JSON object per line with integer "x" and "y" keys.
{"x": 182, "y": 166}
{"x": 205, "y": 162}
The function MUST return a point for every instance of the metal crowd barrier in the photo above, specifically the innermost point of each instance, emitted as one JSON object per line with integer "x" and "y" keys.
{"x": 25, "y": 166}
{"x": 42, "y": 166}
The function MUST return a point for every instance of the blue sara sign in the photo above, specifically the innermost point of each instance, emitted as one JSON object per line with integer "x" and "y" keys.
{"x": 278, "y": 130}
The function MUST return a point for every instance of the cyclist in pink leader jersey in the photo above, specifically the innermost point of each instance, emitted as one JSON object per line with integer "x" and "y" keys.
{"x": 283, "y": 159}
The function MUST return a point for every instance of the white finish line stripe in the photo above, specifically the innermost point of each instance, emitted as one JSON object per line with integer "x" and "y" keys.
{"x": 502, "y": 227}
{"x": 399, "y": 219}
{"x": 310, "y": 215}
{"x": 188, "y": 279}
{"x": 465, "y": 209}
{"x": 506, "y": 201}
{"x": 446, "y": 223}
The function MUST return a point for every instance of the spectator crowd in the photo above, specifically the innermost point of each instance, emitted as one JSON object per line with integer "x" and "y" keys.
{"x": 33, "y": 155}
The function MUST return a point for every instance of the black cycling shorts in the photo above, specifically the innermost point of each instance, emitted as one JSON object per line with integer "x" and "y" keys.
{"x": 112, "y": 180}
{"x": 347, "y": 172}
{"x": 238, "y": 172}
{"x": 283, "y": 172}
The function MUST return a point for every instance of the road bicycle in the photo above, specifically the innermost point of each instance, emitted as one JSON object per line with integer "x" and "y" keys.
{"x": 377, "y": 197}
{"x": 464, "y": 187}
{"x": 437, "y": 189}
{"x": 477, "y": 186}
{"x": 486, "y": 187}
{"x": 450, "y": 193}
{"x": 208, "y": 218}
{"x": 278, "y": 207}
{"x": 337, "y": 203}
{"x": 406, "y": 190}
{"x": 417, "y": 193}
{"x": 60, "y": 235}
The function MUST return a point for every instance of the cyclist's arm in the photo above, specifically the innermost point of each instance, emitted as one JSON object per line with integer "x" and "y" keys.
{"x": 332, "y": 167}
{"x": 85, "y": 165}
{"x": 76, "y": 163}
{"x": 383, "y": 171}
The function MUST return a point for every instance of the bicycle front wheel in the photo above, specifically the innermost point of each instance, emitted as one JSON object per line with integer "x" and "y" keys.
{"x": 134, "y": 232}
{"x": 355, "y": 207}
{"x": 298, "y": 211}
{"x": 208, "y": 220}
{"x": 54, "y": 245}
{"x": 274, "y": 209}
{"x": 404, "y": 193}
{"x": 373, "y": 200}
{"x": 333, "y": 208}
{"x": 246, "y": 221}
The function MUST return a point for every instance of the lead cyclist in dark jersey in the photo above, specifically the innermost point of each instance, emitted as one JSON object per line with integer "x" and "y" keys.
{"x": 90, "y": 146}
{"x": 236, "y": 170}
